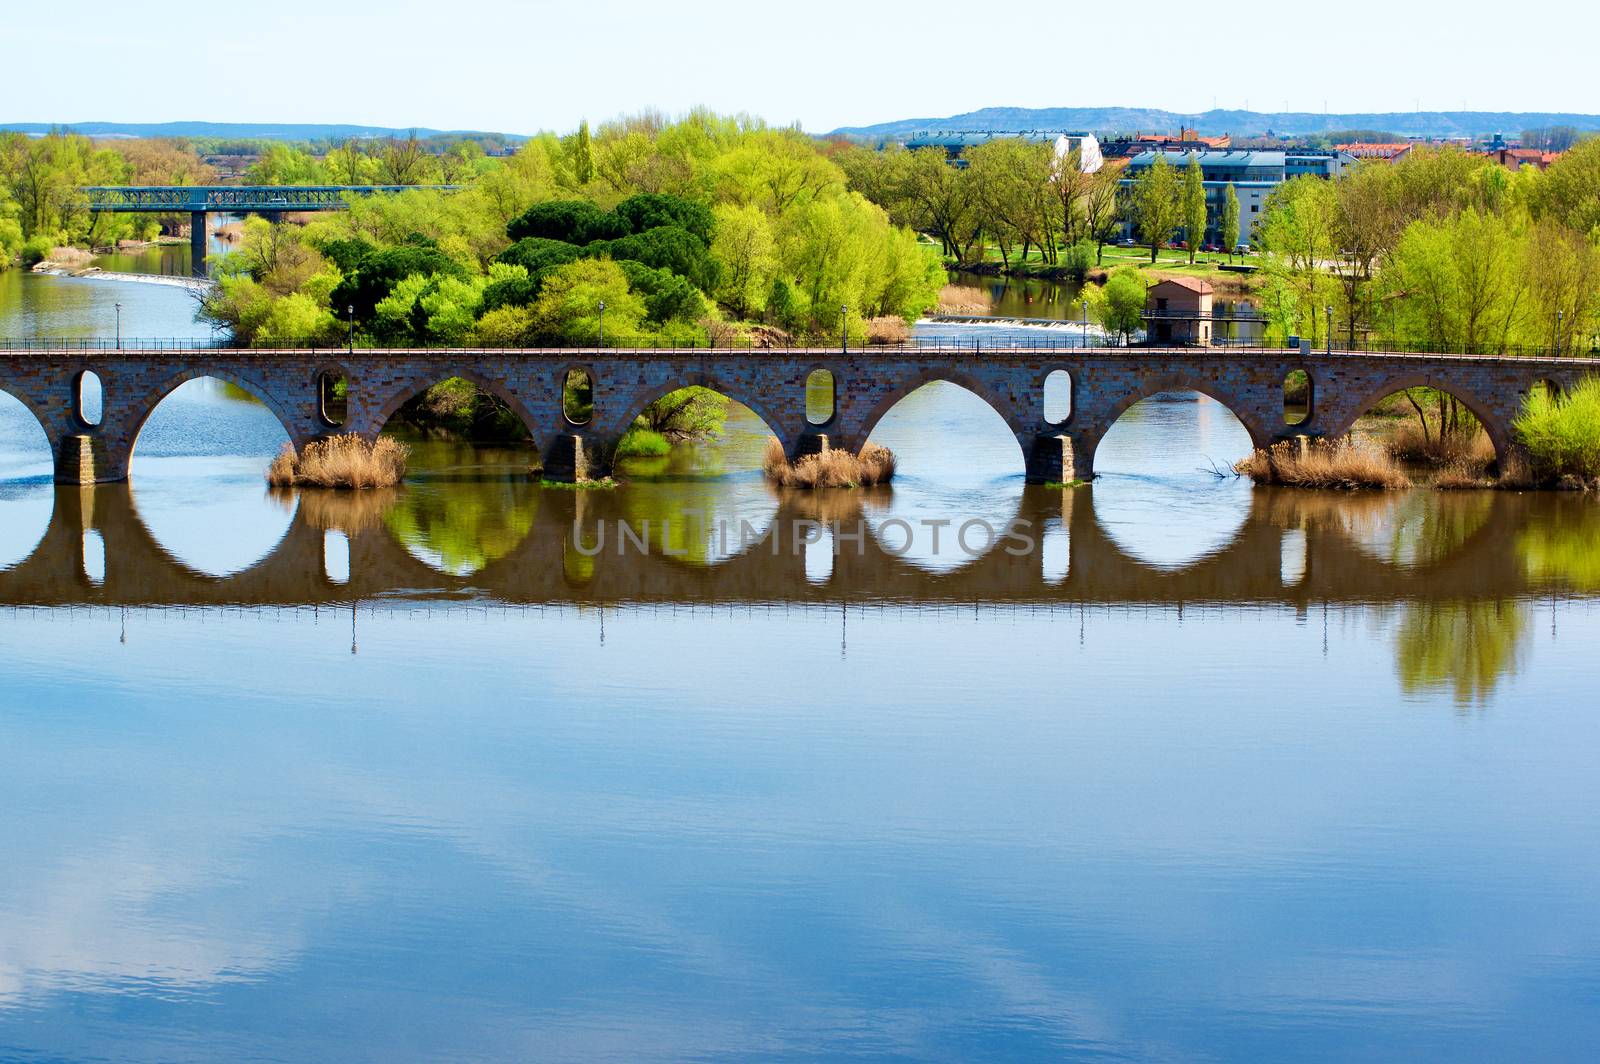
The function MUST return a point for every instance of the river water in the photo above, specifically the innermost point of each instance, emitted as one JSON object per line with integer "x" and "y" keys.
{"x": 1205, "y": 772}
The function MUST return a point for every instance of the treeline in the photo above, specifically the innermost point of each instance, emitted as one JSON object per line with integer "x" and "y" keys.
{"x": 1443, "y": 250}
{"x": 1013, "y": 195}
{"x": 687, "y": 231}
{"x": 42, "y": 207}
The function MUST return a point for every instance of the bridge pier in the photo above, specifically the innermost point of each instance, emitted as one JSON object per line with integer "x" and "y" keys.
{"x": 1057, "y": 459}
{"x": 571, "y": 459}
{"x": 197, "y": 243}
{"x": 82, "y": 458}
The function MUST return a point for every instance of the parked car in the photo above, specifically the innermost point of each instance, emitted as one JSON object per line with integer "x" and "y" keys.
{"x": 1212, "y": 248}
{"x": 1178, "y": 245}
{"x": 1127, "y": 242}
{"x": 1241, "y": 249}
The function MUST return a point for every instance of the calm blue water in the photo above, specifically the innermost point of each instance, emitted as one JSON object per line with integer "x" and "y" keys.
{"x": 724, "y": 819}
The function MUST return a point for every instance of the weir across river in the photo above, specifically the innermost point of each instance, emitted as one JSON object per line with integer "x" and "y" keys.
{"x": 1103, "y": 382}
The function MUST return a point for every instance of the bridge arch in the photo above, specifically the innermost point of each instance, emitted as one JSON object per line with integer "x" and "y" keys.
{"x": 1261, "y": 435}
{"x": 16, "y": 430}
{"x": 945, "y": 375}
{"x": 1499, "y": 432}
{"x": 147, "y": 404}
{"x": 406, "y": 392}
{"x": 635, "y": 401}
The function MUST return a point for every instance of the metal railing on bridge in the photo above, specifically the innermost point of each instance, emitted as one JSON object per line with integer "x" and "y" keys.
{"x": 172, "y": 199}
{"x": 967, "y": 345}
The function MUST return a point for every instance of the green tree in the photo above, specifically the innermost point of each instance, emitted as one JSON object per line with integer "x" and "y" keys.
{"x": 1230, "y": 219}
{"x": 1157, "y": 210}
{"x": 582, "y": 155}
{"x": 1194, "y": 205}
{"x": 1118, "y": 305}
{"x": 1102, "y": 206}
{"x": 745, "y": 247}
{"x": 1297, "y": 235}
{"x": 568, "y": 307}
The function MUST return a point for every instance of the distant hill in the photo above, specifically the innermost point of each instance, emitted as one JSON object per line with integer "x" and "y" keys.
{"x": 1238, "y": 123}
{"x": 242, "y": 130}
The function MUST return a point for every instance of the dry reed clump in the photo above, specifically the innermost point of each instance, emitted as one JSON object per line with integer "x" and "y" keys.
{"x": 347, "y": 461}
{"x": 1465, "y": 449}
{"x": 832, "y": 468}
{"x": 888, "y": 330}
{"x": 1339, "y": 465}
{"x": 963, "y": 299}
{"x": 342, "y": 511}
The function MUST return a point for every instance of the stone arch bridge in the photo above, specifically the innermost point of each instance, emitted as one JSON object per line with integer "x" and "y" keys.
{"x": 1103, "y": 383}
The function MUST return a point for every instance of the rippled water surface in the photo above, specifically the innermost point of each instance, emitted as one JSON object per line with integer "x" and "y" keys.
{"x": 1206, "y": 773}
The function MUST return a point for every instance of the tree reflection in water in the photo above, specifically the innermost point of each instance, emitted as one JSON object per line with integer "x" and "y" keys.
{"x": 1564, "y": 546}
{"x": 1415, "y": 528}
{"x": 1465, "y": 646}
{"x": 466, "y": 505}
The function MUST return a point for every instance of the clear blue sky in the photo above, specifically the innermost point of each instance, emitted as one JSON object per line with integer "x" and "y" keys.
{"x": 523, "y": 66}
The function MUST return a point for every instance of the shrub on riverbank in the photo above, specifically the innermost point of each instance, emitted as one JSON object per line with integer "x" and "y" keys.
{"x": 640, "y": 442}
{"x": 1340, "y": 465}
{"x": 963, "y": 299}
{"x": 832, "y": 468}
{"x": 1562, "y": 433}
{"x": 348, "y": 461}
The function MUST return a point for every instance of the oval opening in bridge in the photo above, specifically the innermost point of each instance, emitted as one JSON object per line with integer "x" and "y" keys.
{"x": 333, "y": 398}
{"x": 1057, "y": 396}
{"x": 1297, "y": 397}
{"x": 88, "y": 400}
{"x": 577, "y": 397}
{"x": 94, "y": 557}
{"x": 820, "y": 399}
{"x": 336, "y": 556}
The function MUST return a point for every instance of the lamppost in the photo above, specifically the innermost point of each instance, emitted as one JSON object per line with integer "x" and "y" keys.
{"x": 844, "y": 329}
{"x": 350, "y": 314}
{"x": 1559, "y": 315}
{"x": 1329, "y": 309}
{"x": 602, "y": 341}
{"x": 119, "y": 326}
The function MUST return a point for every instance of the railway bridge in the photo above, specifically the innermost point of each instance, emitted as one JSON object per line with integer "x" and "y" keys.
{"x": 1055, "y": 444}
{"x": 200, "y": 201}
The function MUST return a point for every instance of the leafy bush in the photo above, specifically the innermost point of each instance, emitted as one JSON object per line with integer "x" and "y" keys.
{"x": 641, "y": 442}
{"x": 375, "y": 276}
{"x": 667, "y": 297}
{"x": 37, "y": 249}
{"x": 1078, "y": 259}
{"x": 1562, "y": 434}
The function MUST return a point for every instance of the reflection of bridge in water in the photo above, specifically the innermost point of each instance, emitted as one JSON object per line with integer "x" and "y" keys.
{"x": 1293, "y": 549}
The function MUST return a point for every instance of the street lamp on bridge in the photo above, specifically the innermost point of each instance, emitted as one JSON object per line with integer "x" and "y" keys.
{"x": 844, "y": 329}
{"x": 119, "y": 326}
{"x": 350, "y": 314}
{"x": 600, "y": 346}
{"x": 1329, "y": 309}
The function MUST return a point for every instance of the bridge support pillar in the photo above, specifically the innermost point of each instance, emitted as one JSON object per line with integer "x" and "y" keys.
{"x": 810, "y": 443}
{"x": 197, "y": 243}
{"x": 1053, "y": 459}
{"x": 574, "y": 459}
{"x": 84, "y": 459}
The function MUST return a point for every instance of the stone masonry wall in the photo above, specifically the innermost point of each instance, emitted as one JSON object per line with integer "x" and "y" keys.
{"x": 1105, "y": 382}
